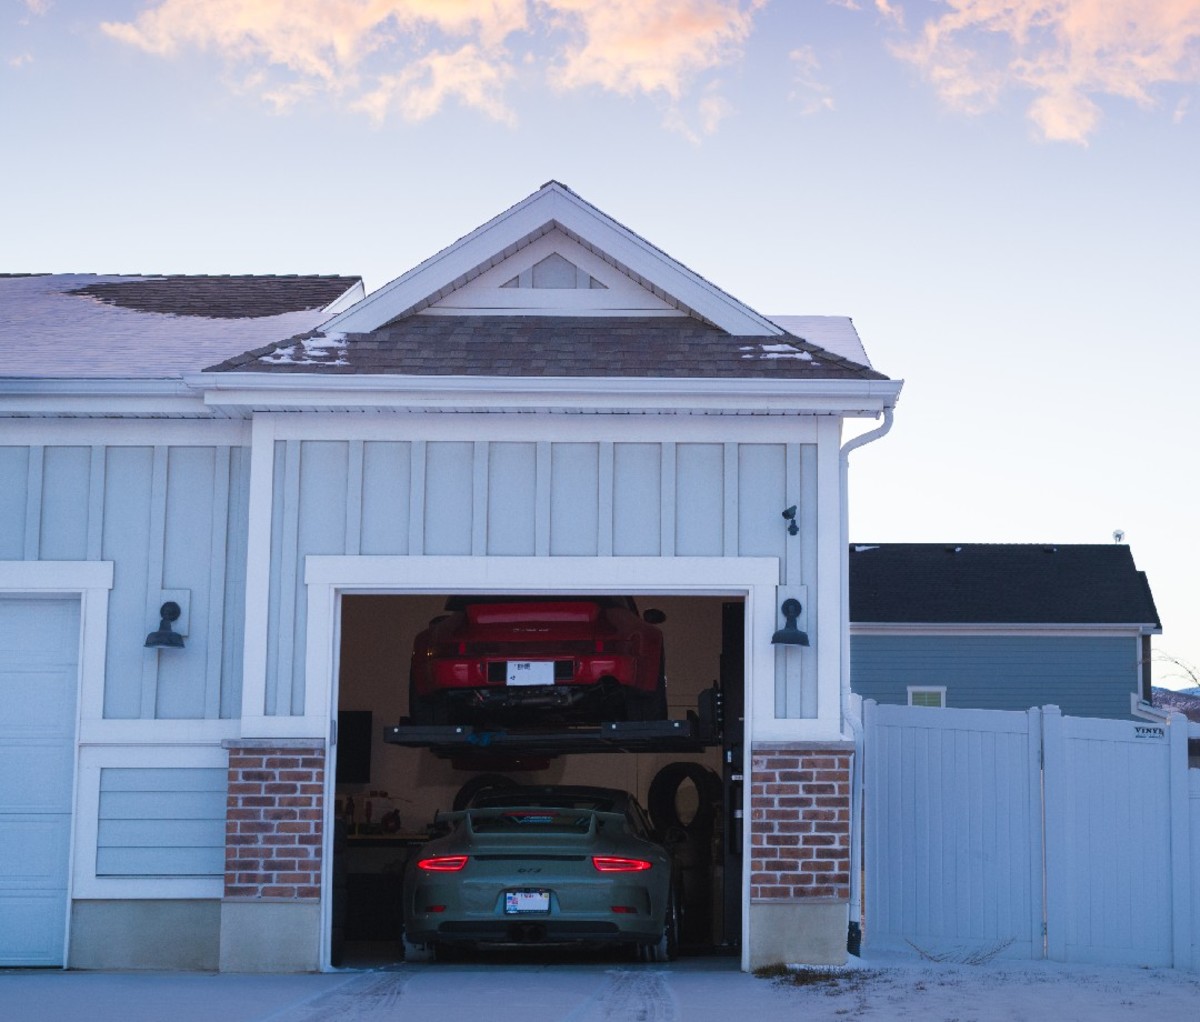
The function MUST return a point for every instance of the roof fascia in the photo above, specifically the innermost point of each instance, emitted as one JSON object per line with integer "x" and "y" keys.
{"x": 550, "y": 206}
{"x": 1038, "y": 629}
{"x": 851, "y": 398}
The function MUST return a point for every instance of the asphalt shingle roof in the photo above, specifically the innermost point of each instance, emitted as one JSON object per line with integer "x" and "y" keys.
{"x": 560, "y": 346}
{"x": 85, "y": 326}
{"x": 219, "y": 297}
{"x": 973, "y": 583}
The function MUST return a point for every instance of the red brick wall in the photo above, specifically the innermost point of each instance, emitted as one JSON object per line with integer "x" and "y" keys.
{"x": 799, "y": 824}
{"x": 273, "y": 815}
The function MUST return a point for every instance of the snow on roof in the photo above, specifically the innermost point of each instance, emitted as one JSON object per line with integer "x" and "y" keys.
{"x": 833, "y": 333}
{"x": 74, "y": 326}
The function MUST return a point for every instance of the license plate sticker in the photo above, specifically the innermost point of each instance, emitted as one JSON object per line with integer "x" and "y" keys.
{"x": 530, "y": 672}
{"x": 520, "y": 902}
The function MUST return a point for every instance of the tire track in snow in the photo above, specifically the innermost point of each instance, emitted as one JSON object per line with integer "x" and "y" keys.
{"x": 629, "y": 996}
{"x": 367, "y": 998}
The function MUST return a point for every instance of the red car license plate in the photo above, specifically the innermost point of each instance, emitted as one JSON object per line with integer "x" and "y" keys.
{"x": 520, "y": 902}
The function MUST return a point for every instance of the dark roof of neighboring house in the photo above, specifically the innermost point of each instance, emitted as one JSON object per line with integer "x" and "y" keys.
{"x": 470, "y": 345}
{"x": 219, "y": 297}
{"x": 994, "y": 583}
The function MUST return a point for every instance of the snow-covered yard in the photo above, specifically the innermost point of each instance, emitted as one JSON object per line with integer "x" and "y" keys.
{"x": 691, "y": 990}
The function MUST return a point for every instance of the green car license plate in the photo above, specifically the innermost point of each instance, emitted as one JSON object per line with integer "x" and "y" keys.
{"x": 519, "y": 902}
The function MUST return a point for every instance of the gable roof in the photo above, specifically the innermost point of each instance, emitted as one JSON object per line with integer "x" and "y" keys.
{"x": 553, "y": 207}
{"x": 89, "y": 326}
{"x": 992, "y": 583}
{"x": 552, "y": 346}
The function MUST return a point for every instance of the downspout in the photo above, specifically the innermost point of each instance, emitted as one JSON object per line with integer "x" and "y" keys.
{"x": 854, "y": 936}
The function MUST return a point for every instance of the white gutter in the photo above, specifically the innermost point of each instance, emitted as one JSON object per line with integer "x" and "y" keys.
{"x": 851, "y": 719}
{"x": 853, "y": 398}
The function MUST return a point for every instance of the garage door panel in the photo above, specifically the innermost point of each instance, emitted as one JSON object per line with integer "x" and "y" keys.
{"x": 35, "y": 700}
{"x": 39, "y": 642}
{"x": 36, "y": 777}
{"x": 32, "y": 849}
{"x": 33, "y": 930}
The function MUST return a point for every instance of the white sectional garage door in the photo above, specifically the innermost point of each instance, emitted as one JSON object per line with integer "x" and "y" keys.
{"x": 39, "y": 648}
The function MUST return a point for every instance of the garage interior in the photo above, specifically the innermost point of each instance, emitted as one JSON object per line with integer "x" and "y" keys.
{"x": 387, "y": 793}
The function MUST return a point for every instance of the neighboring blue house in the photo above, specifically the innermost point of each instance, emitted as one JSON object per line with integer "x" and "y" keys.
{"x": 1001, "y": 626}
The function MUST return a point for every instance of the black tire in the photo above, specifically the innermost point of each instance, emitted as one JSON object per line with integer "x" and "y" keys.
{"x": 427, "y": 711}
{"x": 648, "y": 706}
{"x": 414, "y": 953}
{"x": 482, "y": 782}
{"x": 661, "y": 798}
{"x": 667, "y": 946}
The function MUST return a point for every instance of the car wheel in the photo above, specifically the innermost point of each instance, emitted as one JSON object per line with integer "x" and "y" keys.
{"x": 647, "y": 705}
{"x": 668, "y": 944}
{"x": 426, "y": 711}
{"x": 411, "y": 952}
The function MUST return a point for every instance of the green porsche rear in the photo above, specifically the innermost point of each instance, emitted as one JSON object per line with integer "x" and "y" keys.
{"x": 545, "y": 866}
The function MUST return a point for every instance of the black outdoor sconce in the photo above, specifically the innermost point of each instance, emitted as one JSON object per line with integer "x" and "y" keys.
{"x": 165, "y": 638}
{"x": 789, "y": 634}
{"x": 792, "y": 527}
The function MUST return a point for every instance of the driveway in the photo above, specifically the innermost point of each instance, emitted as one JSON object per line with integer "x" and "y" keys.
{"x": 690, "y": 990}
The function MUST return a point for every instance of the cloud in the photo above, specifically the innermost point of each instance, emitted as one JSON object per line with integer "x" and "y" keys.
{"x": 1069, "y": 53}
{"x": 808, "y": 90}
{"x": 630, "y": 46}
{"x": 410, "y": 57}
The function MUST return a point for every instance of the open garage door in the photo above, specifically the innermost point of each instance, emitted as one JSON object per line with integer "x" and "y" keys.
{"x": 39, "y": 643}
{"x": 387, "y": 794}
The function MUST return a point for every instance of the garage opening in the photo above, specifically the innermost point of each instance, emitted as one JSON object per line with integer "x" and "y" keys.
{"x": 391, "y": 779}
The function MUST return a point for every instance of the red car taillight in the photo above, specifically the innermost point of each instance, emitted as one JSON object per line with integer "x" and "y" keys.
{"x": 616, "y": 864}
{"x": 443, "y": 863}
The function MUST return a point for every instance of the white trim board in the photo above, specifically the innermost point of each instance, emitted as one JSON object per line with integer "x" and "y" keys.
{"x": 551, "y": 206}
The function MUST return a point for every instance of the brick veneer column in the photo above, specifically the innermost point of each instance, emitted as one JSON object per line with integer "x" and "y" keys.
{"x": 273, "y": 818}
{"x": 800, "y": 823}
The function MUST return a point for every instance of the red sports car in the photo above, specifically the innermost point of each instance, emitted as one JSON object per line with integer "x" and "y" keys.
{"x": 558, "y": 657}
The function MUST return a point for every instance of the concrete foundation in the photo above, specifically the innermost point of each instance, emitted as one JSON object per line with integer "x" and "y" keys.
{"x": 802, "y": 932}
{"x": 145, "y": 934}
{"x": 261, "y": 935}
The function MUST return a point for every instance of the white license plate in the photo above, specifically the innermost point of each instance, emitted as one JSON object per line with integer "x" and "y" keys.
{"x": 517, "y": 902}
{"x": 530, "y": 672}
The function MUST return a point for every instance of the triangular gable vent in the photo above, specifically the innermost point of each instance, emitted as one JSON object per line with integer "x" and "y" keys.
{"x": 553, "y": 275}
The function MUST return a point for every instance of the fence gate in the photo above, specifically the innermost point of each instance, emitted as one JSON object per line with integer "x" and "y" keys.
{"x": 972, "y": 849}
{"x": 953, "y": 828}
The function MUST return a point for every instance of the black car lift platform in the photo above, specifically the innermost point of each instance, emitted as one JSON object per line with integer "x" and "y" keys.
{"x": 459, "y": 741}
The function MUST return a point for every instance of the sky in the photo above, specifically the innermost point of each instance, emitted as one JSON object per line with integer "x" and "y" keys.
{"x": 1001, "y": 193}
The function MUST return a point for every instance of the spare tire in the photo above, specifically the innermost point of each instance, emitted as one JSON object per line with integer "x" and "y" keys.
{"x": 482, "y": 782}
{"x": 662, "y": 798}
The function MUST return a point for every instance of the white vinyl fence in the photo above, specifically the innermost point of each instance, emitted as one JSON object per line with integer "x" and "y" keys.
{"x": 990, "y": 832}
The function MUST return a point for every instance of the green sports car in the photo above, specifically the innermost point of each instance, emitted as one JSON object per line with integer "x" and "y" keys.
{"x": 543, "y": 865}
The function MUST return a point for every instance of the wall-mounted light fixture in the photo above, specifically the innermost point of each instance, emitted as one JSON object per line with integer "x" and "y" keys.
{"x": 165, "y": 637}
{"x": 790, "y": 515}
{"x": 789, "y": 634}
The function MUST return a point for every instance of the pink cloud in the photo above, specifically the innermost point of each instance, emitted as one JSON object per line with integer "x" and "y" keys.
{"x": 1068, "y": 53}
{"x": 409, "y": 57}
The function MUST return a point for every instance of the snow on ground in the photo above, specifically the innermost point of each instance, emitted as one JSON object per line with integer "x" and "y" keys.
{"x": 575, "y": 990}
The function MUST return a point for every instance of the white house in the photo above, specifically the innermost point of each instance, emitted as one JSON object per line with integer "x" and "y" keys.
{"x": 550, "y": 404}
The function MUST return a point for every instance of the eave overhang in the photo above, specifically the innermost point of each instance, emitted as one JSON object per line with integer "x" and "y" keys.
{"x": 250, "y": 392}
{"x": 1039, "y": 629}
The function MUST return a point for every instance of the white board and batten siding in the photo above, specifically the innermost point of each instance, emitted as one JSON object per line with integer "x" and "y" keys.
{"x": 166, "y": 503}
{"x": 39, "y": 643}
{"x": 965, "y": 829}
{"x": 446, "y": 492}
